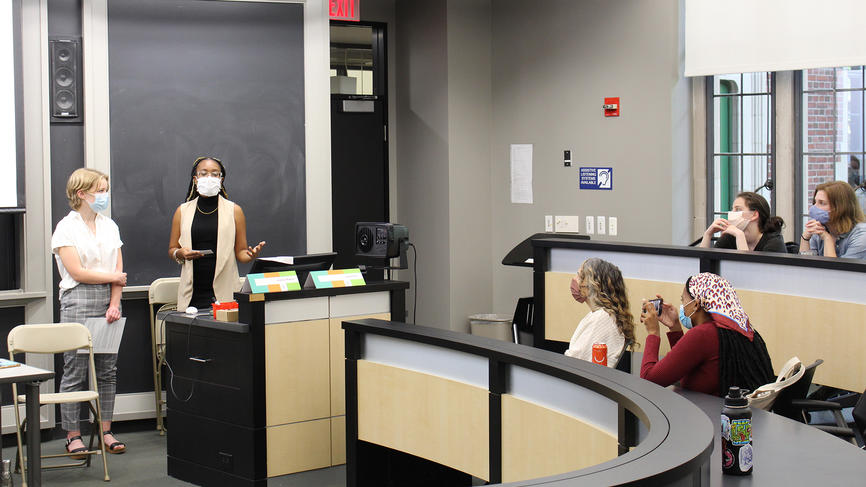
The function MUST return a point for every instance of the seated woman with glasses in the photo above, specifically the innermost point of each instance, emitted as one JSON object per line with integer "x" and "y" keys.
{"x": 720, "y": 350}
{"x": 208, "y": 238}
{"x": 837, "y": 227}
{"x": 599, "y": 284}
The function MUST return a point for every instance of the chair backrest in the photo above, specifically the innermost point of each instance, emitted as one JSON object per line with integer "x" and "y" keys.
{"x": 523, "y": 317}
{"x": 163, "y": 290}
{"x": 159, "y": 324}
{"x": 48, "y": 338}
{"x": 624, "y": 362}
{"x": 859, "y": 414}
{"x": 798, "y": 390}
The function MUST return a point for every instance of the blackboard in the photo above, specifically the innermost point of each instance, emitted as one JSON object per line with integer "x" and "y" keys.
{"x": 189, "y": 78}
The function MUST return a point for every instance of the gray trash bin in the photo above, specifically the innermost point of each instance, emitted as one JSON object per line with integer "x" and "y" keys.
{"x": 491, "y": 325}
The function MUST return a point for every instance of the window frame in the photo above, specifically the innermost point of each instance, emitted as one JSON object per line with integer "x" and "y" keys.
{"x": 710, "y": 97}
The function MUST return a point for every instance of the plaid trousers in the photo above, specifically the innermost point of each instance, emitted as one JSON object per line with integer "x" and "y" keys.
{"x": 77, "y": 304}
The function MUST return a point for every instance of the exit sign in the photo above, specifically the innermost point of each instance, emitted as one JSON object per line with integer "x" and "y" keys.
{"x": 344, "y": 10}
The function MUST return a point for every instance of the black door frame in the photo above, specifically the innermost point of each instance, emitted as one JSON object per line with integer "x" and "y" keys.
{"x": 380, "y": 89}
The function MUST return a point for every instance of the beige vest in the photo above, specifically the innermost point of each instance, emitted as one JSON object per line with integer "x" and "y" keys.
{"x": 225, "y": 279}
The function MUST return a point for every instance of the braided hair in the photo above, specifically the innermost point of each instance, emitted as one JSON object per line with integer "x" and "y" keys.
{"x": 191, "y": 191}
{"x": 742, "y": 363}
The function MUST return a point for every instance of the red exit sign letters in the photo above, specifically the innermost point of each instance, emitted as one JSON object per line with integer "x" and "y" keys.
{"x": 344, "y": 10}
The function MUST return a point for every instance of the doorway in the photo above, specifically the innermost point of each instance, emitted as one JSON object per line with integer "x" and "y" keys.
{"x": 359, "y": 136}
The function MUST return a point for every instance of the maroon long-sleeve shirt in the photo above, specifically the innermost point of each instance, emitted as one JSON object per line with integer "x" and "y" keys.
{"x": 693, "y": 359}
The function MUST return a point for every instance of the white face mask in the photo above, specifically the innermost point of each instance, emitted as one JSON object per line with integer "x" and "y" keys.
{"x": 736, "y": 218}
{"x": 208, "y": 186}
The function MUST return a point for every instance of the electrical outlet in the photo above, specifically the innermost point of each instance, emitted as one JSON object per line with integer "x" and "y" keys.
{"x": 611, "y": 226}
{"x": 548, "y": 223}
{"x": 566, "y": 223}
{"x": 590, "y": 225}
{"x": 602, "y": 225}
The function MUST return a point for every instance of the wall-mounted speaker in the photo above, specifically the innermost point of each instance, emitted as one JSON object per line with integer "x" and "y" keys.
{"x": 379, "y": 239}
{"x": 65, "y": 77}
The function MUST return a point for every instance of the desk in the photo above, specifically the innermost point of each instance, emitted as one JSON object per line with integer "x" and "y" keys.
{"x": 804, "y": 306}
{"x": 263, "y": 397}
{"x": 787, "y": 453}
{"x": 30, "y": 377}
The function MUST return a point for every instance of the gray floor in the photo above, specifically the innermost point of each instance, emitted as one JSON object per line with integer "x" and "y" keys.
{"x": 144, "y": 464}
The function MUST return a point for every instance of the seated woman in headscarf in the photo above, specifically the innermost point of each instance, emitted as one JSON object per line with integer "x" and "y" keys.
{"x": 721, "y": 349}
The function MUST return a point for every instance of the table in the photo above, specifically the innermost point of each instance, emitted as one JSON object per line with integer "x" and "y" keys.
{"x": 786, "y": 452}
{"x": 30, "y": 377}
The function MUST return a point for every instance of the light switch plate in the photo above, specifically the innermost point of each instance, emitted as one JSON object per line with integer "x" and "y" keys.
{"x": 548, "y": 223}
{"x": 566, "y": 223}
{"x": 602, "y": 225}
{"x": 590, "y": 225}
{"x": 612, "y": 226}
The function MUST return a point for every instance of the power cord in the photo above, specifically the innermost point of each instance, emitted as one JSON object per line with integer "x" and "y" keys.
{"x": 168, "y": 365}
{"x": 415, "y": 273}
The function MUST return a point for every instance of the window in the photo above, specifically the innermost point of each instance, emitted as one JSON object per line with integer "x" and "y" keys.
{"x": 832, "y": 130}
{"x": 741, "y": 155}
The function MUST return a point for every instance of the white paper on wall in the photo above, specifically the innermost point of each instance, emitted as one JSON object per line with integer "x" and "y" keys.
{"x": 521, "y": 173}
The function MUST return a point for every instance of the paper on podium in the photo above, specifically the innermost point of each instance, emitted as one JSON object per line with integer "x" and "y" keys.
{"x": 105, "y": 336}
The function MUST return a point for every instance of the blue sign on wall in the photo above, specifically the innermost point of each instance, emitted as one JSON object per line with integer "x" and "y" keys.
{"x": 596, "y": 178}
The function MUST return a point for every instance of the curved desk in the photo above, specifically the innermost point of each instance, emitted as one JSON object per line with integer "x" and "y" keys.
{"x": 810, "y": 307}
{"x": 417, "y": 396}
{"x": 507, "y": 413}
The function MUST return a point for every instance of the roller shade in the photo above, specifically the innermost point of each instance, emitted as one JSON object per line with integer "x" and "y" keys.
{"x": 9, "y": 163}
{"x": 743, "y": 36}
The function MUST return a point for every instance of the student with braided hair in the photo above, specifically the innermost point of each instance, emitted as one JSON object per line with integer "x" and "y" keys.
{"x": 721, "y": 348}
{"x": 599, "y": 284}
{"x": 208, "y": 221}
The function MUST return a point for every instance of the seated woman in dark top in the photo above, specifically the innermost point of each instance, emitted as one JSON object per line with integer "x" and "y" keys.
{"x": 720, "y": 350}
{"x": 749, "y": 226}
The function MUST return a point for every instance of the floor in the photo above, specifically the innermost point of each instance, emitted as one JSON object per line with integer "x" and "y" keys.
{"x": 144, "y": 464}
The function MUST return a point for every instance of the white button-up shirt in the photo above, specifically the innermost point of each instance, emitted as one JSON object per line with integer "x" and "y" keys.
{"x": 98, "y": 252}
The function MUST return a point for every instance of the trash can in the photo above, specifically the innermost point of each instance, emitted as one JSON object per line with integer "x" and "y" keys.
{"x": 490, "y": 325}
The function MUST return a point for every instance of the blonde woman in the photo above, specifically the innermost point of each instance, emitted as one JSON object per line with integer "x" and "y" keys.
{"x": 599, "y": 284}
{"x": 86, "y": 246}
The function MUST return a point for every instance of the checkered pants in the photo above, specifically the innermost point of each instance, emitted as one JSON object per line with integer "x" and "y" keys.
{"x": 77, "y": 304}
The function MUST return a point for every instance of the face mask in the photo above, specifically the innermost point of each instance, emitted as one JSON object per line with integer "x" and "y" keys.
{"x": 686, "y": 321}
{"x": 822, "y": 216}
{"x": 208, "y": 186}
{"x": 736, "y": 217}
{"x": 100, "y": 202}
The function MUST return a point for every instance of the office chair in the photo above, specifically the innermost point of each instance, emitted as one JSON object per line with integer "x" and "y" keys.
{"x": 791, "y": 402}
{"x": 162, "y": 293}
{"x": 56, "y": 338}
{"x": 522, "y": 320}
{"x": 624, "y": 362}
{"x": 856, "y": 432}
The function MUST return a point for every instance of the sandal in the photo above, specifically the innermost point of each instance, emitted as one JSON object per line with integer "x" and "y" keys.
{"x": 76, "y": 450}
{"x": 116, "y": 447}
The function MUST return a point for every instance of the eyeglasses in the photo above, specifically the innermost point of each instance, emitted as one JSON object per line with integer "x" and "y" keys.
{"x": 204, "y": 174}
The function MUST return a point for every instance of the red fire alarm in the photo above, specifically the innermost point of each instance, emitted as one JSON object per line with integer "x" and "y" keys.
{"x": 611, "y": 107}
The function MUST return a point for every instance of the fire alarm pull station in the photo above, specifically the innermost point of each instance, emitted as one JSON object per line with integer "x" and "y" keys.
{"x": 611, "y": 107}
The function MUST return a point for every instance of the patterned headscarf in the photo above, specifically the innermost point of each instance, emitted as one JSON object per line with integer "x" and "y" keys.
{"x": 716, "y": 296}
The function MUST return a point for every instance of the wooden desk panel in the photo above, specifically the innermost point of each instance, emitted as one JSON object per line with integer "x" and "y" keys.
{"x": 297, "y": 371}
{"x": 428, "y": 416}
{"x": 338, "y": 361}
{"x": 299, "y": 446}
{"x": 537, "y": 442}
{"x": 812, "y": 328}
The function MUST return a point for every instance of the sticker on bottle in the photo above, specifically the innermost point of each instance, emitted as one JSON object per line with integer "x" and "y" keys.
{"x": 741, "y": 432}
{"x": 745, "y": 458}
{"x": 726, "y": 427}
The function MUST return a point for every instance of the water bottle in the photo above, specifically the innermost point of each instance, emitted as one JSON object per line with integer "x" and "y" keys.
{"x": 6, "y": 475}
{"x": 736, "y": 434}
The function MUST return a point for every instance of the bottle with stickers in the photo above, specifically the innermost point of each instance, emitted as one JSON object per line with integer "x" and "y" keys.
{"x": 736, "y": 434}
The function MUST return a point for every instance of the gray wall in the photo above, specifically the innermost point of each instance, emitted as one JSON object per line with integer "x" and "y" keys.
{"x": 422, "y": 151}
{"x": 474, "y": 77}
{"x": 553, "y": 63}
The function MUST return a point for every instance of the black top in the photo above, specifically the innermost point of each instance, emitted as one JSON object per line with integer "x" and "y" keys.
{"x": 770, "y": 242}
{"x": 204, "y": 236}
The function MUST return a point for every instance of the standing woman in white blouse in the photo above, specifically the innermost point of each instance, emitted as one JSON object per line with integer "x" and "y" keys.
{"x": 599, "y": 284}
{"x": 86, "y": 246}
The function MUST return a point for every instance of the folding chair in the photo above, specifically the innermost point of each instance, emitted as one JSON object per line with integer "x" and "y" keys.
{"x": 57, "y": 338}
{"x": 162, "y": 293}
